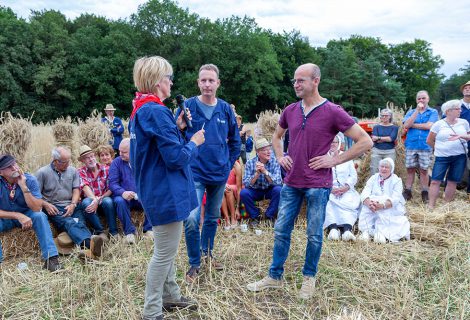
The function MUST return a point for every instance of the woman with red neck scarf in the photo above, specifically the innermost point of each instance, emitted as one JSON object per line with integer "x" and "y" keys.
{"x": 160, "y": 157}
{"x": 383, "y": 210}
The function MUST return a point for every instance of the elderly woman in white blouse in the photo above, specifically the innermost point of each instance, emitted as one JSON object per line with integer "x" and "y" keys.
{"x": 342, "y": 208}
{"x": 383, "y": 211}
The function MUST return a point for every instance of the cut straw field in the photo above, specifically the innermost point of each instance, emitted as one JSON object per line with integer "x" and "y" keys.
{"x": 425, "y": 278}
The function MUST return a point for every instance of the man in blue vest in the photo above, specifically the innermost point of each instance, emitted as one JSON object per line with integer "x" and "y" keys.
{"x": 116, "y": 128}
{"x": 211, "y": 167}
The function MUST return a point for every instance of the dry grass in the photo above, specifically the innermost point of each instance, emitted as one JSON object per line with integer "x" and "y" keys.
{"x": 92, "y": 132}
{"x": 425, "y": 278}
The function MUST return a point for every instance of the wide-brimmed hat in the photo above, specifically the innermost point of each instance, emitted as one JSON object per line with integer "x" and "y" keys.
{"x": 464, "y": 85}
{"x": 64, "y": 244}
{"x": 6, "y": 160}
{"x": 109, "y": 107}
{"x": 84, "y": 150}
{"x": 261, "y": 143}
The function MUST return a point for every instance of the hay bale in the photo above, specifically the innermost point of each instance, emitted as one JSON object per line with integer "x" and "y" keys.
{"x": 19, "y": 243}
{"x": 15, "y": 136}
{"x": 93, "y": 132}
{"x": 64, "y": 132}
{"x": 266, "y": 124}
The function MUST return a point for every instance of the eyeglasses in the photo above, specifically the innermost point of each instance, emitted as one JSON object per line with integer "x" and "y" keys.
{"x": 300, "y": 80}
{"x": 385, "y": 115}
{"x": 170, "y": 77}
{"x": 62, "y": 161}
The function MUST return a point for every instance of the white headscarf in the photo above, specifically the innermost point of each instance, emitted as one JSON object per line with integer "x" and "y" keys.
{"x": 390, "y": 162}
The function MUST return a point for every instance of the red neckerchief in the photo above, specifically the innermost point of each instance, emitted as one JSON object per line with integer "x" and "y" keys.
{"x": 10, "y": 187}
{"x": 382, "y": 182}
{"x": 141, "y": 99}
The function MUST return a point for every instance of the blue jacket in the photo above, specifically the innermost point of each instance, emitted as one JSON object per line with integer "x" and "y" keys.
{"x": 121, "y": 177}
{"x": 160, "y": 160}
{"x": 216, "y": 156}
{"x": 116, "y": 129}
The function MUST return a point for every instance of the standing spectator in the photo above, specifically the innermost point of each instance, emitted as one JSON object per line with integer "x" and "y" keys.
{"x": 59, "y": 185}
{"x": 383, "y": 211}
{"x": 160, "y": 161}
{"x": 262, "y": 180}
{"x": 94, "y": 186}
{"x": 211, "y": 167}
{"x": 249, "y": 144}
{"x": 417, "y": 152}
{"x": 115, "y": 126}
{"x": 105, "y": 154}
{"x": 242, "y": 131}
{"x": 20, "y": 207}
{"x": 384, "y": 136}
{"x": 122, "y": 185}
{"x": 313, "y": 122}
{"x": 448, "y": 139}
{"x": 343, "y": 205}
{"x": 465, "y": 114}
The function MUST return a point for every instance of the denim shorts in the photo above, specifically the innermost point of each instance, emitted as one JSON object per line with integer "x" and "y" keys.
{"x": 453, "y": 165}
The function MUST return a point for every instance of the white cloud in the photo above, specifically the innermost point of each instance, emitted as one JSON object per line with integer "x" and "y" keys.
{"x": 441, "y": 23}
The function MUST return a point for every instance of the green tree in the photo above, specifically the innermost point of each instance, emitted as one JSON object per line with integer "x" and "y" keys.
{"x": 450, "y": 88}
{"x": 414, "y": 66}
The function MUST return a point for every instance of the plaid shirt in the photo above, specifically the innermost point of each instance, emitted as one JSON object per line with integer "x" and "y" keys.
{"x": 272, "y": 166}
{"x": 99, "y": 185}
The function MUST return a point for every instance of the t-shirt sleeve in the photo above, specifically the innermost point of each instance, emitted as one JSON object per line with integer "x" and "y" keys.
{"x": 283, "y": 120}
{"x": 434, "y": 116}
{"x": 342, "y": 119}
{"x": 33, "y": 186}
{"x": 435, "y": 127}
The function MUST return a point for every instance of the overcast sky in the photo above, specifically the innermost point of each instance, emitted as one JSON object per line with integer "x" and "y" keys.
{"x": 445, "y": 24}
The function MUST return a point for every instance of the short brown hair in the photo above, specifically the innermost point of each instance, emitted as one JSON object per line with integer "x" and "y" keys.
{"x": 103, "y": 149}
{"x": 210, "y": 67}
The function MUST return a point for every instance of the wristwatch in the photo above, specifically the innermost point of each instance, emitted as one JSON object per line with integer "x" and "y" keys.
{"x": 26, "y": 190}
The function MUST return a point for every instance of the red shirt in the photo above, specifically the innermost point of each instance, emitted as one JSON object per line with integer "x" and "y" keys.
{"x": 100, "y": 184}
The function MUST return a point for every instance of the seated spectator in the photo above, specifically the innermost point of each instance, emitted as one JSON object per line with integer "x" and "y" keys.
{"x": 262, "y": 180}
{"x": 94, "y": 186}
{"x": 20, "y": 207}
{"x": 231, "y": 200}
{"x": 383, "y": 210}
{"x": 59, "y": 185}
{"x": 448, "y": 138}
{"x": 105, "y": 154}
{"x": 122, "y": 185}
{"x": 342, "y": 208}
{"x": 384, "y": 136}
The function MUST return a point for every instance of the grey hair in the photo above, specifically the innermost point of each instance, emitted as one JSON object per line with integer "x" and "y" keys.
{"x": 449, "y": 105}
{"x": 57, "y": 151}
{"x": 387, "y": 111}
{"x": 422, "y": 91}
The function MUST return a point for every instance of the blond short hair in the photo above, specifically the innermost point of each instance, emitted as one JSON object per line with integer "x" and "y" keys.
{"x": 148, "y": 71}
{"x": 104, "y": 149}
{"x": 210, "y": 67}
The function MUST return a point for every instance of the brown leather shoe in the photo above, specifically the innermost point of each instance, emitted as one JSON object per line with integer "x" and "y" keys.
{"x": 96, "y": 246}
{"x": 425, "y": 196}
{"x": 407, "y": 194}
{"x": 214, "y": 263}
{"x": 52, "y": 264}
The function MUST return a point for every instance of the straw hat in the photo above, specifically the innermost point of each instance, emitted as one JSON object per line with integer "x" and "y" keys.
{"x": 84, "y": 150}
{"x": 109, "y": 107}
{"x": 464, "y": 85}
{"x": 261, "y": 143}
{"x": 64, "y": 244}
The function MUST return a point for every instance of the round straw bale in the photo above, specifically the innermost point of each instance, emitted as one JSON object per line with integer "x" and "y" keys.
{"x": 266, "y": 124}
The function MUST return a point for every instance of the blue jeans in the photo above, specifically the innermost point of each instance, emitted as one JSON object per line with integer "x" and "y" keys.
{"x": 77, "y": 230}
{"x": 248, "y": 197}
{"x": 107, "y": 208}
{"x": 454, "y": 166}
{"x": 289, "y": 207}
{"x": 204, "y": 240}
{"x": 41, "y": 228}
{"x": 123, "y": 210}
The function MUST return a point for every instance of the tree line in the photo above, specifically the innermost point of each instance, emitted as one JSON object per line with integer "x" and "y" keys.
{"x": 56, "y": 67}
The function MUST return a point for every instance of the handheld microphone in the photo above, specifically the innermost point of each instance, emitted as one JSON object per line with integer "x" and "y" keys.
{"x": 180, "y": 102}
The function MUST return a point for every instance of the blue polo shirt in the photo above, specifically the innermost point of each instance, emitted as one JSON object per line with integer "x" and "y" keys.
{"x": 416, "y": 138}
{"x": 18, "y": 203}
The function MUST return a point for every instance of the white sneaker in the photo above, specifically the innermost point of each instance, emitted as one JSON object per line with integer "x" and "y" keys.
{"x": 148, "y": 235}
{"x": 308, "y": 288}
{"x": 334, "y": 235}
{"x": 130, "y": 238}
{"x": 365, "y": 236}
{"x": 265, "y": 283}
{"x": 379, "y": 238}
{"x": 348, "y": 236}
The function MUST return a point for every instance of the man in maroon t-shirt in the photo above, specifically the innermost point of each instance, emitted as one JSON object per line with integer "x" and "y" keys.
{"x": 313, "y": 122}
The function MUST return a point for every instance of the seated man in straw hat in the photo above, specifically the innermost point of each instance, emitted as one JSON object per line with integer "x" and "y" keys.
{"x": 59, "y": 185}
{"x": 115, "y": 126}
{"x": 20, "y": 207}
{"x": 94, "y": 186}
{"x": 262, "y": 180}
{"x": 122, "y": 184}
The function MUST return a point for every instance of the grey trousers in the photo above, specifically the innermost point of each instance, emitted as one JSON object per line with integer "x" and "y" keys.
{"x": 377, "y": 155}
{"x": 161, "y": 284}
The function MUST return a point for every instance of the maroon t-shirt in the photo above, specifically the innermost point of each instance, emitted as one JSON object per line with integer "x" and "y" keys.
{"x": 310, "y": 139}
